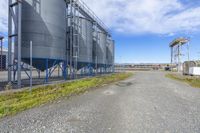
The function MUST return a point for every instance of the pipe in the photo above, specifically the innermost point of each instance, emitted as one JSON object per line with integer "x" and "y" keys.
{"x": 19, "y": 45}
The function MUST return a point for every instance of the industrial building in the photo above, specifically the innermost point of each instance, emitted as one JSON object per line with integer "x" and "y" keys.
{"x": 4, "y": 59}
{"x": 58, "y": 33}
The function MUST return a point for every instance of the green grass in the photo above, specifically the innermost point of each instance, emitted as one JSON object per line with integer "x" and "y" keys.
{"x": 192, "y": 81}
{"x": 15, "y": 102}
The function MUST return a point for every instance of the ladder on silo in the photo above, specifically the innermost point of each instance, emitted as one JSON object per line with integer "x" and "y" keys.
{"x": 76, "y": 24}
{"x": 96, "y": 38}
{"x": 70, "y": 36}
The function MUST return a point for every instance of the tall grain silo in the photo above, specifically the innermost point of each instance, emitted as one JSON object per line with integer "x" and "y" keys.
{"x": 94, "y": 49}
{"x": 101, "y": 49}
{"x": 110, "y": 52}
{"x": 86, "y": 44}
{"x": 82, "y": 37}
{"x": 44, "y": 23}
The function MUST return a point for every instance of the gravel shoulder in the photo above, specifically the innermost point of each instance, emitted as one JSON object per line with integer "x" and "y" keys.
{"x": 146, "y": 102}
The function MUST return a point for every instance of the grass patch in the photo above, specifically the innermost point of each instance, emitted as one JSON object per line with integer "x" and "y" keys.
{"x": 193, "y": 81}
{"x": 14, "y": 102}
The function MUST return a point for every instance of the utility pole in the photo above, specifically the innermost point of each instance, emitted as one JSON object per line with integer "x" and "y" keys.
{"x": 188, "y": 49}
{"x": 199, "y": 55}
{"x": 10, "y": 34}
{"x": 179, "y": 59}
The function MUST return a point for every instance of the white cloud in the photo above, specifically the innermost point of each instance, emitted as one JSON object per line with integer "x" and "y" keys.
{"x": 147, "y": 16}
{"x": 136, "y": 16}
{"x": 3, "y": 15}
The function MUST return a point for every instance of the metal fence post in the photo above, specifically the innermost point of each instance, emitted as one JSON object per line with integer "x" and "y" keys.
{"x": 31, "y": 64}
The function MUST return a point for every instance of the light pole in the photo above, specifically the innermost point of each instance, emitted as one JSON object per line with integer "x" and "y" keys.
{"x": 188, "y": 49}
{"x": 121, "y": 65}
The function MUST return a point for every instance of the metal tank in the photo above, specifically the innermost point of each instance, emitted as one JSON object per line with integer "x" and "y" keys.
{"x": 85, "y": 57}
{"x": 44, "y": 23}
{"x": 110, "y": 53}
{"x": 101, "y": 49}
{"x": 84, "y": 46}
{"x": 94, "y": 49}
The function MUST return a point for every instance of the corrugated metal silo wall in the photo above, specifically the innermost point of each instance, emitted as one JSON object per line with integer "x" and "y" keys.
{"x": 110, "y": 52}
{"x": 94, "y": 50}
{"x": 44, "y": 23}
{"x": 101, "y": 49}
{"x": 113, "y": 52}
{"x": 86, "y": 43}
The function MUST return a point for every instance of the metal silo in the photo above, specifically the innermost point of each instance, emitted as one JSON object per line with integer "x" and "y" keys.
{"x": 110, "y": 52}
{"x": 82, "y": 41}
{"x": 86, "y": 43}
{"x": 112, "y": 49}
{"x": 44, "y": 23}
{"x": 101, "y": 49}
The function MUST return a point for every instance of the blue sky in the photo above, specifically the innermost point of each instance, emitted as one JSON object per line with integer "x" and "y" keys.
{"x": 143, "y": 29}
{"x": 150, "y": 48}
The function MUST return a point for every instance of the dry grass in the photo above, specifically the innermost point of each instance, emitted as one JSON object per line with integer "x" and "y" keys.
{"x": 193, "y": 81}
{"x": 14, "y": 102}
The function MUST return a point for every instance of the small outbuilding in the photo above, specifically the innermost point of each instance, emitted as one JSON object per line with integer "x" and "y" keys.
{"x": 187, "y": 65}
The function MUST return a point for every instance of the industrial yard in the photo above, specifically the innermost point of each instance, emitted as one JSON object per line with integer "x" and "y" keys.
{"x": 120, "y": 67}
{"x": 146, "y": 102}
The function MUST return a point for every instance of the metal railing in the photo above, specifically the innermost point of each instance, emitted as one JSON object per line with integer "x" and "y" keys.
{"x": 82, "y": 5}
{"x": 93, "y": 15}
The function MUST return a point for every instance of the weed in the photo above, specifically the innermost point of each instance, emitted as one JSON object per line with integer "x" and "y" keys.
{"x": 193, "y": 81}
{"x": 14, "y": 102}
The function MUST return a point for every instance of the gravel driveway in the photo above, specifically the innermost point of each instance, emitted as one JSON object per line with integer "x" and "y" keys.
{"x": 146, "y": 103}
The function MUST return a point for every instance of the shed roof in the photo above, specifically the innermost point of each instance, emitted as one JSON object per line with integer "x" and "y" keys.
{"x": 180, "y": 41}
{"x": 197, "y": 62}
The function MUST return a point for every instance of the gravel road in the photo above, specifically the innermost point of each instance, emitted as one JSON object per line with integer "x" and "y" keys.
{"x": 145, "y": 103}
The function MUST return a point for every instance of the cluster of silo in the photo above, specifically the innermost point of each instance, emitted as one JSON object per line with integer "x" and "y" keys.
{"x": 104, "y": 51}
{"x": 92, "y": 44}
{"x": 54, "y": 36}
{"x": 96, "y": 47}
